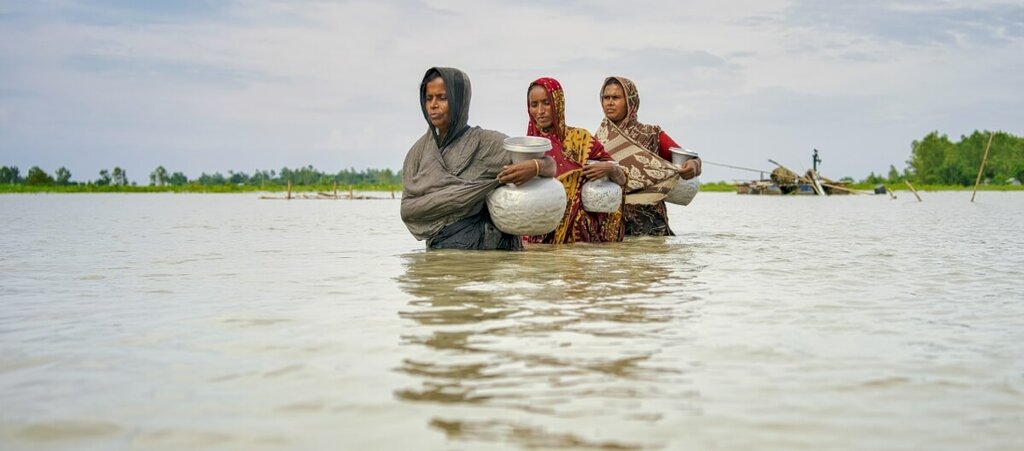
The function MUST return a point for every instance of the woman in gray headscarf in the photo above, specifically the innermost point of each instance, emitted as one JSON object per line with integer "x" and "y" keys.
{"x": 451, "y": 169}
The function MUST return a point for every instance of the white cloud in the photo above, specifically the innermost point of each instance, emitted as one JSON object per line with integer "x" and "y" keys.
{"x": 268, "y": 84}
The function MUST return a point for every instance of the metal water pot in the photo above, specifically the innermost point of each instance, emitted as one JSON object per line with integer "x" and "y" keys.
{"x": 601, "y": 195}
{"x": 684, "y": 191}
{"x": 533, "y": 208}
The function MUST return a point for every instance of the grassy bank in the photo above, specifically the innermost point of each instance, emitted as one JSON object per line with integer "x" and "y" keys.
{"x": 729, "y": 187}
{"x": 903, "y": 187}
{"x": 718, "y": 187}
{"x": 27, "y": 189}
{"x": 726, "y": 187}
{"x": 712, "y": 187}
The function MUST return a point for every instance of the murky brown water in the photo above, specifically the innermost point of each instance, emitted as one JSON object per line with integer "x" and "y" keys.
{"x": 224, "y": 321}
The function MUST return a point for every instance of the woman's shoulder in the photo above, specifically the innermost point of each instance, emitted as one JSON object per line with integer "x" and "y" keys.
{"x": 577, "y": 132}
{"x": 489, "y": 136}
{"x": 648, "y": 128}
{"x": 421, "y": 144}
{"x": 423, "y": 139}
{"x": 576, "y": 137}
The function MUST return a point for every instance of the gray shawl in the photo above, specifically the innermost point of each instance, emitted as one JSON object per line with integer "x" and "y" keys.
{"x": 448, "y": 178}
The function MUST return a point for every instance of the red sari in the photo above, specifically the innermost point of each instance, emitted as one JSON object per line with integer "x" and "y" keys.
{"x": 571, "y": 147}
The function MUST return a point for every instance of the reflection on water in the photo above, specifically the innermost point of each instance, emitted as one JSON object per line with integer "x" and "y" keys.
{"x": 549, "y": 336}
{"x": 172, "y": 321}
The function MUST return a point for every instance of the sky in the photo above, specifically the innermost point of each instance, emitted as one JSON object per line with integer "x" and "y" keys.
{"x": 211, "y": 86}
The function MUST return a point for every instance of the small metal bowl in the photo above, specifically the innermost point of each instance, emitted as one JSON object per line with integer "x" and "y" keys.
{"x": 680, "y": 155}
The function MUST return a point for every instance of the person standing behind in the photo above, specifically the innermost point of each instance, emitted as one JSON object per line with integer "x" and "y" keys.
{"x": 571, "y": 149}
{"x": 451, "y": 169}
{"x": 620, "y": 101}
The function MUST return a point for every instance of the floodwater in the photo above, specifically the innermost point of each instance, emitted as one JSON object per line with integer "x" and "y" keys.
{"x": 163, "y": 321}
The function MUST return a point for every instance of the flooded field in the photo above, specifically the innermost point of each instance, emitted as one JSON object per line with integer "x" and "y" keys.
{"x": 162, "y": 321}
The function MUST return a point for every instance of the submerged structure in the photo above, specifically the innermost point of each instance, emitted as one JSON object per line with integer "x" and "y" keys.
{"x": 785, "y": 181}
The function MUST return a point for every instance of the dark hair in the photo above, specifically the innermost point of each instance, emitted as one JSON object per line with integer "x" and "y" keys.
{"x": 612, "y": 81}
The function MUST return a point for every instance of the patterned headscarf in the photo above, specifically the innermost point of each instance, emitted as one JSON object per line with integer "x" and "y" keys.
{"x": 571, "y": 148}
{"x": 644, "y": 135}
{"x": 557, "y": 98}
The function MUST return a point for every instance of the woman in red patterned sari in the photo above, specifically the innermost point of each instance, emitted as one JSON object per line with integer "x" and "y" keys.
{"x": 571, "y": 148}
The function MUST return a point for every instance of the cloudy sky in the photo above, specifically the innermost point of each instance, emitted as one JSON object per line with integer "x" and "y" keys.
{"x": 237, "y": 85}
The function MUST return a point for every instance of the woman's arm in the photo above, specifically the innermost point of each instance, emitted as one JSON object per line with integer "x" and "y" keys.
{"x": 665, "y": 145}
{"x": 605, "y": 165}
{"x": 524, "y": 171}
{"x": 443, "y": 202}
{"x": 609, "y": 169}
{"x": 689, "y": 169}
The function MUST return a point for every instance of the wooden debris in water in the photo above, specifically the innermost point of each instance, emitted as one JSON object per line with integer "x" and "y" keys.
{"x": 320, "y": 195}
{"x": 913, "y": 190}
{"x": 892, "y": 195}
{"x": 843, "y": 188}
{"x": 982, "y": 167}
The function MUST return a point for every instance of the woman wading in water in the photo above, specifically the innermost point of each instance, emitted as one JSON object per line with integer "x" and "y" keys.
{"x": 451, "y": 169}
{"x": 572, "y": 148}
{"x": 620, "y": 101}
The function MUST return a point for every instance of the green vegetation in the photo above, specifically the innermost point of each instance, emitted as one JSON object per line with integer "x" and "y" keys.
{"x": 935, "y": 164}
{"x": 865, "y": 186}
{"x": 717, "y": 187}
{"x": 192, "y": 188}
{"x": 160, "y": 180}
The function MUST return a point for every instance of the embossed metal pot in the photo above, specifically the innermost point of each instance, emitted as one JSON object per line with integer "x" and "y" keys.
{"x": 684, "y": 191}
{"x": 533, "y": 208}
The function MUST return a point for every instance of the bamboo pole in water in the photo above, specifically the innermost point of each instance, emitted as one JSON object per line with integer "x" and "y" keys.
{"x": 982, "y": 168}
{"x": 289, "y": 190}
{"x": 913, "y": 190}
{"x": 335, "y": 189}
{"x": 842, "y": 188}
{"x": 816, "y": 183}
{"x": 350, "y": 194}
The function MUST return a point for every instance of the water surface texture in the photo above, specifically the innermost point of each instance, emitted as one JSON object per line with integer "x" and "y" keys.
{"x": 163, "y": 321}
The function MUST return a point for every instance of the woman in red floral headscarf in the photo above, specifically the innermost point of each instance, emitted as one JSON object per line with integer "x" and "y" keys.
{"x": 571, "y": 148}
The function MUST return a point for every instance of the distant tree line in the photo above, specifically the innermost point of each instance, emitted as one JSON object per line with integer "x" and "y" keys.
{"x": 935, "y": 160}
{"x": 160, "y": 176}
{"x": 11, "y": 175}
{"x": 308, "y": 176}
{"x": 36, "y": 176}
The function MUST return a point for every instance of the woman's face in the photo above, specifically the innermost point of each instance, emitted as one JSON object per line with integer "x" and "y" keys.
{"x": 614, "y": 102}
{"x": 436, "y": 102}
{"x": 540, "y": 107}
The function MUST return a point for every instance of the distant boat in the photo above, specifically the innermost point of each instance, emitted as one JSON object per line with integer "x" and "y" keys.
{"x": 785, "y": 181}
{"x": 758, "y": 187}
